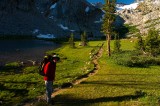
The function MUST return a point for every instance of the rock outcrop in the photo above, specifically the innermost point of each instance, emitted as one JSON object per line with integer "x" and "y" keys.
{"x": 145, "y": 16}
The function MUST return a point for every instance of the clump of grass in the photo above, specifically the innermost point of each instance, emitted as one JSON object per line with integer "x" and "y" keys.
{"x": 150, "y": 100}
{"x": 11, "y": 68}
{"x": 32, "y": 69}
{"x": 12, "y": 65}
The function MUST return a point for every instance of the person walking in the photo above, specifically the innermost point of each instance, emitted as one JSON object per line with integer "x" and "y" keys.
{"x": 49, "y": 69}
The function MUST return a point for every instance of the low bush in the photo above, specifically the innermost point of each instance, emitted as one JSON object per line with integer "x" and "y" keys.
{"x": 134, "y": 59}
{"x": 12, "y": 64}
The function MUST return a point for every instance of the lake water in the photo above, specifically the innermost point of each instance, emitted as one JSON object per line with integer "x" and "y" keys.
{"x": 24, "y": 50}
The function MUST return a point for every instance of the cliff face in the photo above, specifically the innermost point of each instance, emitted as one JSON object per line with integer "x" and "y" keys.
{"x": 56, "y": 17}
{"x": 145, "y": 16}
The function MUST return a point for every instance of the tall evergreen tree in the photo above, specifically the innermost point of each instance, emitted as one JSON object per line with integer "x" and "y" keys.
{"x": 140, "y": 43}
{"x": 84, "y": 39}
{"x": 71, "y": 41}
{"x": 117, "y": 44}
{"x": 152, "y": 42}
{"x": 108, "y": 20}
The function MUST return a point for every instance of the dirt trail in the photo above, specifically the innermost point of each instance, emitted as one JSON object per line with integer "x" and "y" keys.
{"x": 93, "y": 72}
{"x": 66, "y": 86}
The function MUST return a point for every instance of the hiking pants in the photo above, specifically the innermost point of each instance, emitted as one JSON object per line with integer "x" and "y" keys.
{"x": 49, "y": 90}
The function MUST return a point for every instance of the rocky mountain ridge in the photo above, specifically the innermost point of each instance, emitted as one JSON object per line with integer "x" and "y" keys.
{"x": 145, "y": 16}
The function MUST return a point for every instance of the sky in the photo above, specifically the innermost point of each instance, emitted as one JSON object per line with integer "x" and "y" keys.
{"x": 119, "y": 1}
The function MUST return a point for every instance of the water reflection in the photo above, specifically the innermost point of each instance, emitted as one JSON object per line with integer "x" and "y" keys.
{"x": 23, "y": 50}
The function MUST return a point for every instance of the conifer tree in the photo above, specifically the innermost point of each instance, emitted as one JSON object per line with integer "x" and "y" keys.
{"x": 84, "y": 39}
{"x": 152, "y": 42}
{"x": 71, "y": 41}
{"x": 140, "y": 43}
{"x": 117, "y": 44}
{"x": 108, "y": 20}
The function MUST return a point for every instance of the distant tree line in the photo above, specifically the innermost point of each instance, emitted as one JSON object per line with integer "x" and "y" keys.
{"x": 84, "y": 41}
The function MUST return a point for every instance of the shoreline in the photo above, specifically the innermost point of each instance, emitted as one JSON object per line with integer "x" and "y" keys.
{"x": 24, "y": 50}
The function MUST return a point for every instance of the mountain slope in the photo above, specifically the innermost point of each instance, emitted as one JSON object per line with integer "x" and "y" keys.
{"x": 55, "y": 17}
{"x": 145, "y": 16}
{"x": 22, "y": 18}
{"x": 76, "y": 16}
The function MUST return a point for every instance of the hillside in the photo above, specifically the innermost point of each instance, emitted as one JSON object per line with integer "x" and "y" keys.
{"x": 60, "y": 18}
{"x": 56, "y": 18}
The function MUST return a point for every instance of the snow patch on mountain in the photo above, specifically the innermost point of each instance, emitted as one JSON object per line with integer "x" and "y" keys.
{"x": 35, "y": 31}
{"x": 87, "y": 9}
{"x": 63, "y": 27}
{"x": 46, "y": 36}
{"x": 130, "y": 6}
{"x": 53, "y": 6}
{"x": 100, "y": 21}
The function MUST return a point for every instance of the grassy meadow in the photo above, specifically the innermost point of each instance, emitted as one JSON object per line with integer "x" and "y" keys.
{"x": 20, "y": 84}
{"x": 113, "y": 85}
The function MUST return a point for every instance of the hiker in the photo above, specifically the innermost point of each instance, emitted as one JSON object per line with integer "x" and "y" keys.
{"x": 49, "y": 75}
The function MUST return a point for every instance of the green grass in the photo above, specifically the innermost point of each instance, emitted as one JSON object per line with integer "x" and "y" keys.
{"x": 20, "y": 84}
{"x": 115, "y": 85}
{"x": 18, "y": 87}
{"x": 73, "y": 63}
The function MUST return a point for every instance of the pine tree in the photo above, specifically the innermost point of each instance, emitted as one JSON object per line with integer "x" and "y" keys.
{"x": 108, "y": 20}
{"x": 117, "y": 44}
{"x": 152, "y": 42}
{"x": 84, "y": 39}
{"x": 140, "y": 43}
{"x": 71, "y": 41}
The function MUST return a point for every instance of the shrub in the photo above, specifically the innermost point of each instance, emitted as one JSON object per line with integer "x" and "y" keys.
{"x": 133, "y": 59}
{"x": 152, "y": 42}
{"x": 11, "y": 68}
{"x": 132, "y": 28}
{"x": 140, "y": 43}
{"x": 117, "y": 44}
{"x": 84, "y": 39}
{"x": 13, "y": 65}
{"x": 71, "y": 41}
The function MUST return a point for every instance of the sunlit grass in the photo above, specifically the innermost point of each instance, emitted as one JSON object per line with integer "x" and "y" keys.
{"x": 115, "y": 85}
{"x": 73, "y": 62}
{"x": 24, "y": 83}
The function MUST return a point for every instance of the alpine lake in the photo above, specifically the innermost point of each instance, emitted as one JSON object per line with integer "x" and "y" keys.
{"x": 24, "y": 50}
